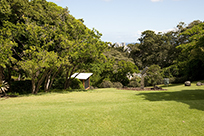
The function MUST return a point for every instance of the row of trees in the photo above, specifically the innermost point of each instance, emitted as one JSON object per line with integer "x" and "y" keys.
{"x": 179, "y": 53}
{"x": 39, "y": 39}
{"x": 44, "y": 43}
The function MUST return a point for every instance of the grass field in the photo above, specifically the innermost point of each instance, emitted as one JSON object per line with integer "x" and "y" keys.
{"x": 179, "y": 111}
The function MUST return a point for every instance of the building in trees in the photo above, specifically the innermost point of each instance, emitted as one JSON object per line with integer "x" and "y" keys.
{"x": 84, "y": 77}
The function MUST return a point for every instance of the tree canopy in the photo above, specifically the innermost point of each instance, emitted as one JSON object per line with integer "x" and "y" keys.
{"x": 42, "y": 38}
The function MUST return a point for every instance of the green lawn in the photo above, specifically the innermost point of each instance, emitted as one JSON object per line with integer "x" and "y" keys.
{"x": 106, "y": 112}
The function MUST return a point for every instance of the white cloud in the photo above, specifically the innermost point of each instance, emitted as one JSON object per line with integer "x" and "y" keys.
{"x": 156, "y": 0}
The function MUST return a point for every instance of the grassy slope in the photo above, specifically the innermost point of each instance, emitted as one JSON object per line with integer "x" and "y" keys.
{"x": 178, "y": 111}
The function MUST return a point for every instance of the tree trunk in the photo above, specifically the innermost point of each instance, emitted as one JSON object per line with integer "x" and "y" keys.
{"x": 142, "y": 82}
{"x": 53, "y": 77}
{"x": 19, "y": 77}
{"x": 40, "y": 81}
{"x": 65, "y": 84}
{"x": 47, "y": 83}
{"x": 33, "y": 86}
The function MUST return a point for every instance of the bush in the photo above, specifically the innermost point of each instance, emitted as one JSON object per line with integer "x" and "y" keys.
{"x": 106, "y": 84}
{"x": 180, "y": 79}
{"x": 134, "y": 84}
{"x": 91, "y": 88}
{"x": 58, "y": 83}
{"x": 117, "y": 85}
{"x": 172, "y": 80}
{"x": 76, "y": 84}
{"x": 153, "y": 76}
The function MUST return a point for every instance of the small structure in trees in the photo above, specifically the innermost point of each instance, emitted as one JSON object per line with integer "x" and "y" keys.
{"x": 84, "y": 77}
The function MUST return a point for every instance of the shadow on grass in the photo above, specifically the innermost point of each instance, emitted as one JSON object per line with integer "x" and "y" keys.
{"x": 190, "y": 97}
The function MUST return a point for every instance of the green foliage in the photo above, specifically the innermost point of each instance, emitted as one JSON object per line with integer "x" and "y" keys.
{"x": 109, "y": 84}
{"x": 192, "y": 54}
{"x": 117, "y": 54}
{"x": 44, "y": 39}
{"x": 153, "y": 49}
{"x": 76, "y": 84}
{"x": 153, "y": 75}
{"x": 58, "y": 83}
{"x": 122, "y": 70}
{"x": 135, "y": 82}
{"x": 171, "y": 71}
{"x": 6, "y": 44}
{"x": 106, "y": 84}
{"x": 117, "y": 85}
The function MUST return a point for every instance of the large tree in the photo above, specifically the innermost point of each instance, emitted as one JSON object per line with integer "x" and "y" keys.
{"x": 193, "y": 51}
{"x": 151, "y": 50}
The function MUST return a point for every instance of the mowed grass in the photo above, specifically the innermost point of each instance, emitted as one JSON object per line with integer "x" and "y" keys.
{"x": 179, "y": 111}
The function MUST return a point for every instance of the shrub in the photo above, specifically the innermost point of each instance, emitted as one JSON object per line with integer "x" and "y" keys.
{"x": 181, "y": 79}
{"x": 134, "y": 84}
{"x": 76, "y": 84}
{"x": 153, "y": 75}
{"x": 91, "y": 88}
{"x": 172, "y": 80}
{"x": 106, "y": 84}
{"x": 58, "y": 83}
{"x": 117, "y": 85}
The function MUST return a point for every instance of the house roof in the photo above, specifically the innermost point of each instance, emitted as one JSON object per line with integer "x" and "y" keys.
{"x": 82, "y": 76}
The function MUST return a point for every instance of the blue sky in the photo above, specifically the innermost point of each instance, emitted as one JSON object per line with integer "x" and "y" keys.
{"x": 124, "y": 20}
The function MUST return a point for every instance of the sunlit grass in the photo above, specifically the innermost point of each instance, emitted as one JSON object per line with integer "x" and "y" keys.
{"x": 176, "y": 112}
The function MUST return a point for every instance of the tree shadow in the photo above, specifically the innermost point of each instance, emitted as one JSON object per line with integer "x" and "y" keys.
{"x": 190, "y": 97}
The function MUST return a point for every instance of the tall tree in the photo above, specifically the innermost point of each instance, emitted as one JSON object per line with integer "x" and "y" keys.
{"x": 153, "y": 75}
{"x": 152, "y": 49}
{"x": 193, "y": 51}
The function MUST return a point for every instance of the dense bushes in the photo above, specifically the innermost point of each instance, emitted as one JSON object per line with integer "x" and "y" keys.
{"x": 109, "y": 84}
{"x": 153, "y": 76}
{"x": 106, "y": 84}
{"x": 117, "y": 85}
{"x": 74, "y": 84}
{"x": 135, "y": 82}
